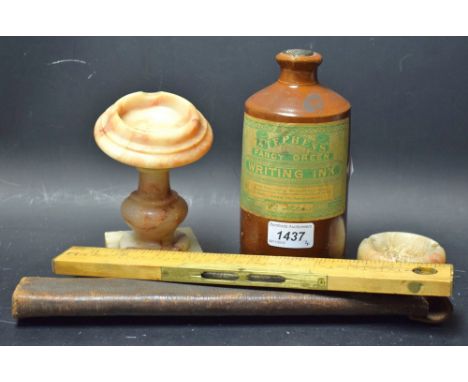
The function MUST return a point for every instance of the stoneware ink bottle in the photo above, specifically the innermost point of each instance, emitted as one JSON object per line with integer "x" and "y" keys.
{"x": 295, "y": 164}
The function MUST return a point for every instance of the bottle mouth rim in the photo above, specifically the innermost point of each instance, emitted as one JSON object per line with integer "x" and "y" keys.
{"x": 299, "y": 58}
{"x": 298, "y": 52}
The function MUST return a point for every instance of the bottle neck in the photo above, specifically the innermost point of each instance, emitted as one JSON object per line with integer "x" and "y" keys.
{"x": 298, "y": 77}
{"x": 298, "y": 66}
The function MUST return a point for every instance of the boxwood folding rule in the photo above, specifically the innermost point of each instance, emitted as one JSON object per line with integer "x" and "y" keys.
{"x": 258, "y": 271}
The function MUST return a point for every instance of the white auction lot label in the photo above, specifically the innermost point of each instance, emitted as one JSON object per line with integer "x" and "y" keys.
{"x": 290, "y": 235}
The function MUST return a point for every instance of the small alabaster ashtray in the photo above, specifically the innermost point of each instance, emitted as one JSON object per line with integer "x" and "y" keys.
{"x": 401, "y": 247}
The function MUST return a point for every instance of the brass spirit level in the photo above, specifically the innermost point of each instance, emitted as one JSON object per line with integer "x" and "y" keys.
{"x": 258, "y": 271}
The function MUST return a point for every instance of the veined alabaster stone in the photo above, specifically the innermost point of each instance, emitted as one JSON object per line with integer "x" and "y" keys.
{"x": 153, "y": 132}
{"x": 401, "y": 247}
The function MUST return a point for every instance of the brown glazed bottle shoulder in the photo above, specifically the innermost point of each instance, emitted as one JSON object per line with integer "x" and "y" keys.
{"x": 294, "y": 103}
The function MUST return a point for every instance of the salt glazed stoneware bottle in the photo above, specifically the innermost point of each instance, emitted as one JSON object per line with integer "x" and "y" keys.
{"x": 295, "y": 164}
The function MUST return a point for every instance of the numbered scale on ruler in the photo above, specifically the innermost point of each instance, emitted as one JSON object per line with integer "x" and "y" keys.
{"x": 290, "y": 235}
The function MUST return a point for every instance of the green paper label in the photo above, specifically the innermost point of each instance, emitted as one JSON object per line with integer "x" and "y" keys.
{"x": 294, "y": 171}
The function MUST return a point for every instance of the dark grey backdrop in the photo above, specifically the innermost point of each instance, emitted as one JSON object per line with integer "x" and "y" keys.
{"x": 409, "y": 148}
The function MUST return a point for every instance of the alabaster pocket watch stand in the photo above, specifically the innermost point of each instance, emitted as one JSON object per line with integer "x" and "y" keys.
{"x": 153, "y": 132}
